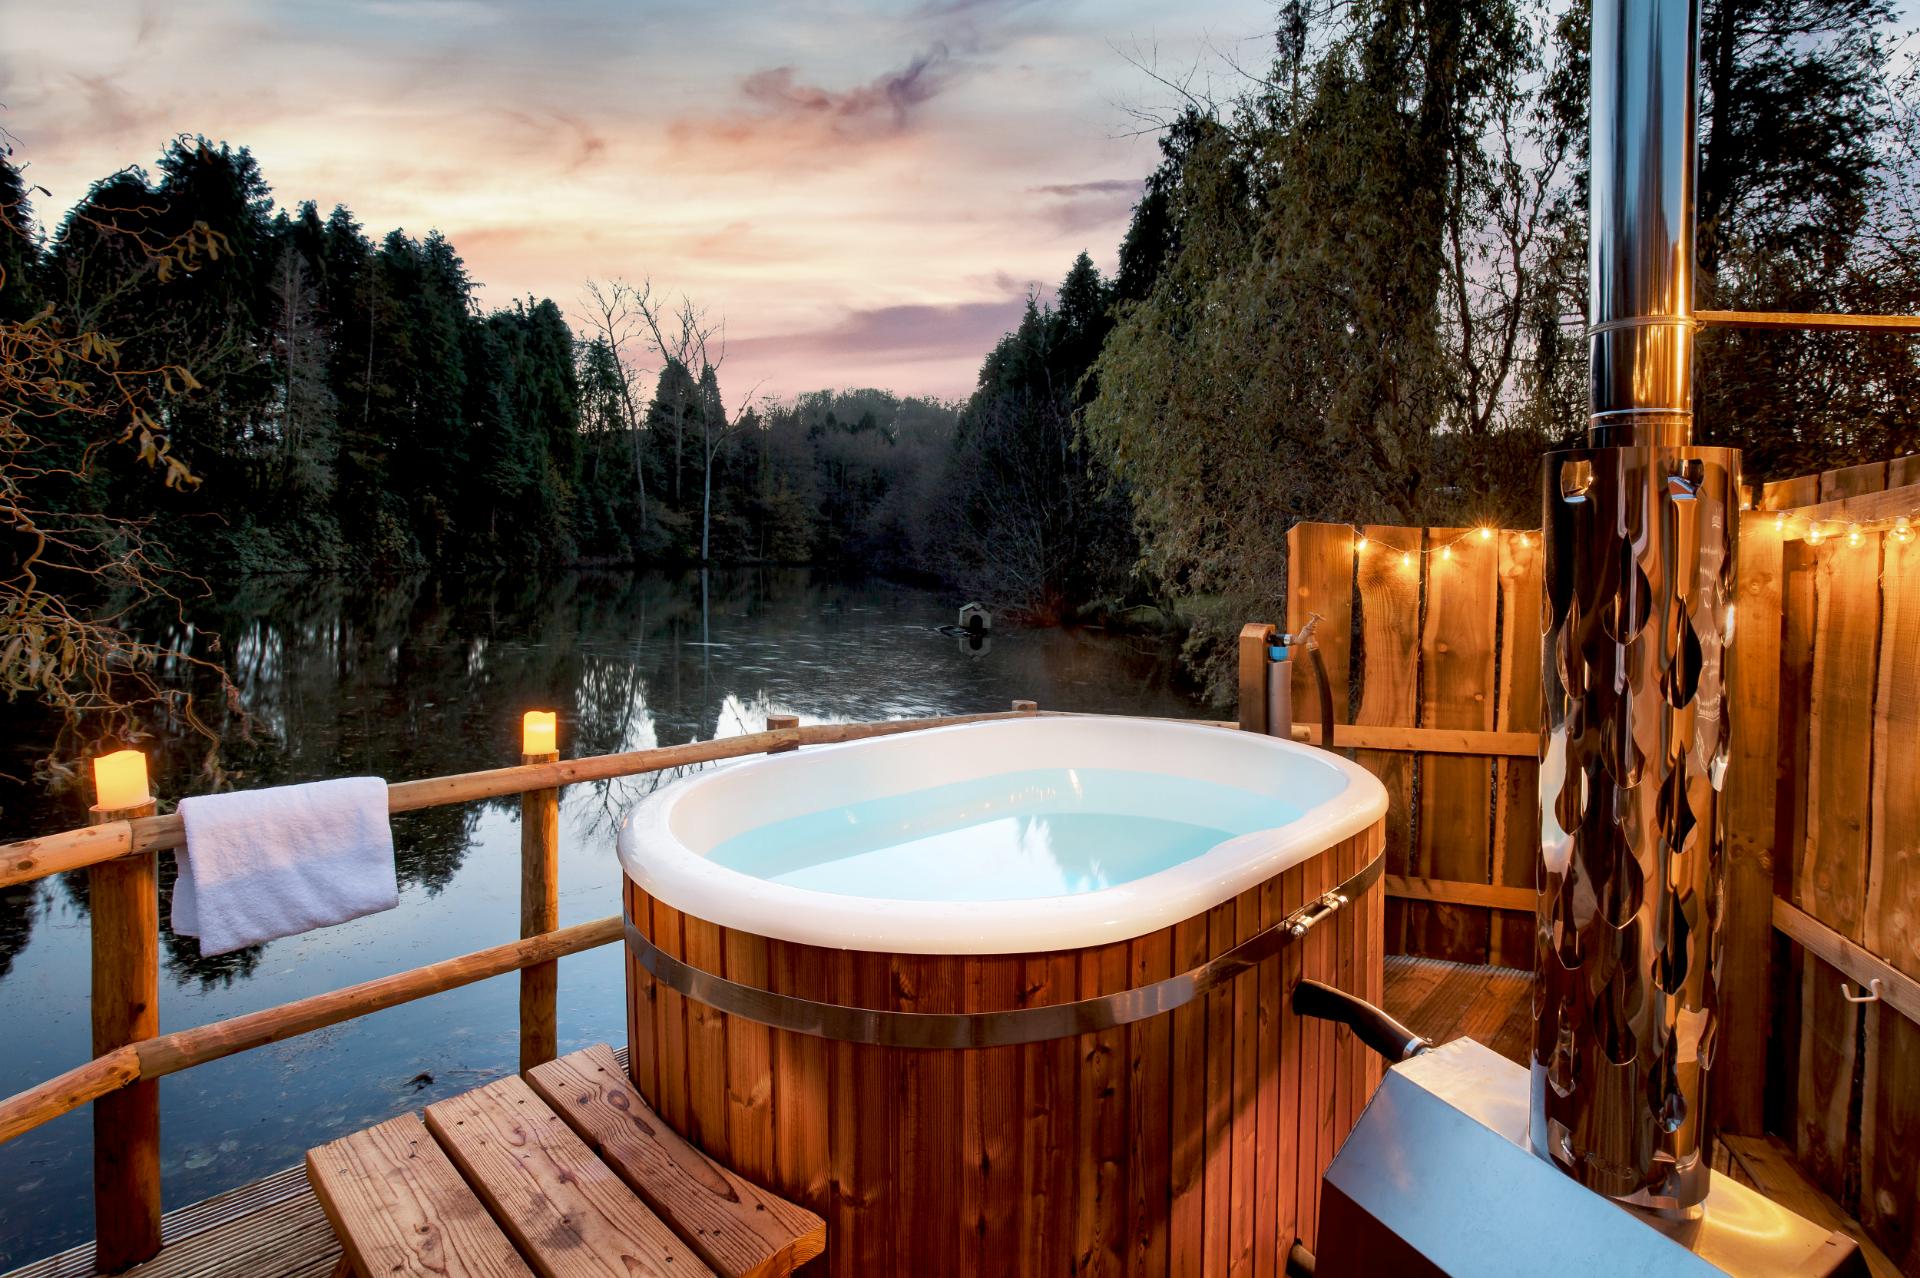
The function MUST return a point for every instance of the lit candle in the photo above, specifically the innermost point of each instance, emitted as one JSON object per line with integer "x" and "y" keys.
{"x": 538, "y": 733}
{"x": 120, "y": 780}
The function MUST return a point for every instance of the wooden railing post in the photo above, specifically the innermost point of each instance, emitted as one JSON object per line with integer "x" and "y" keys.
{"x": 1255, "y": 637}
{"x": 539, "y": 913}
{"x": 780, "y": 723}
{"x": 124, "y": 899}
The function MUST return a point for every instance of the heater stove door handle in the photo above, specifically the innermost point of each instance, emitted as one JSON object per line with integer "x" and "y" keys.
{"x": 1369, "y": 1024}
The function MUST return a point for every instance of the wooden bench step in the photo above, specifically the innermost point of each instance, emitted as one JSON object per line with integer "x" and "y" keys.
{"x": 399, "y": 1206}
{"x": 571, "y": 1216}
{"x": 738, "y": 1228}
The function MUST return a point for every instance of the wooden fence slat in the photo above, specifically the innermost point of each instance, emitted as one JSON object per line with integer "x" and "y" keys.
{"x": 1902, "y": 471}
{"x": 1832, "y": 879}
{"x": 1516, "y": 782}
{"x": 1853, "y": 481}
{"x": 1389, "y": 689}
{"x": 1751, "y": 786}
{"x": 1456, "y": 691}
{"x": 1320, "y": 580}
{"x": 1892, "y": 924}
{"x": 1890, "y": 1137}
{"x": 1784, "y": 494}
{"x": 1828, "y": 1043}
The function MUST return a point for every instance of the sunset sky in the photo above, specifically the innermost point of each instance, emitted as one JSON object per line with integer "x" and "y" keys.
{"x": 863, "y": 190}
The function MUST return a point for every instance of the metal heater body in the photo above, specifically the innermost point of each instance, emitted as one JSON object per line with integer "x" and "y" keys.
{"x": 1437, "y": 1181}
{"x": 1640, "y": 528}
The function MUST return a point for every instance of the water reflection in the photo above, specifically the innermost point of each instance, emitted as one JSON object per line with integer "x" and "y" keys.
{"x": 425, "y": 677}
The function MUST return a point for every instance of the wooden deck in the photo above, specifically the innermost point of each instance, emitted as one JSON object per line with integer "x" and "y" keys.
{"x": 274, "y": 1228}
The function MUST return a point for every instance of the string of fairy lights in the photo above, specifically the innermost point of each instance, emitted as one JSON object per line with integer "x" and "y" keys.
{"x": 1848, "y": 532}
{"x": 1363, "y": 542}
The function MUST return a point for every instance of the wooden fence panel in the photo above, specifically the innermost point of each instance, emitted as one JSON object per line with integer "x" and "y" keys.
{"x": 1390, "y": 690}
{"x": 1320, "y": 580}
{"x": 1832, "y": 881}
{"x": 1751, "y": 788}
{"x": 1892, "y": 923}
{"x": 1844, "y": 1087}
{"x": 1516, "y": 813}
{"x": 1457, "y": 658}
{"x": 1430, "y": 646}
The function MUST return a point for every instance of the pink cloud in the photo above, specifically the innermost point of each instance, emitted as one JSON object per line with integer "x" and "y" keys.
{"x": 933, "y": 347}
{"x": 1086, "y": 206}
{"x": 785, "y": 113}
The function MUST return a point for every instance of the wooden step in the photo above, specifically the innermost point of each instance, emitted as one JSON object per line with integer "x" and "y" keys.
{"x": 399, "y": 1206}
{"x": 569, "y": 1214}
{"x": 738, "y": 1228}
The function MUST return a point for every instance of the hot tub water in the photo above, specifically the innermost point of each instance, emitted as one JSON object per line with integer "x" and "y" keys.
{"x": 1008, "y": 836}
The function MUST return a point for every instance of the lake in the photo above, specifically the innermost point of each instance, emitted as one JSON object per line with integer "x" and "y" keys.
{"x": 420, "y": 678}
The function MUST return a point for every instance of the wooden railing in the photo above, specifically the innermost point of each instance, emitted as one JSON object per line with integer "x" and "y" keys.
{"x": 130, "y": 1053}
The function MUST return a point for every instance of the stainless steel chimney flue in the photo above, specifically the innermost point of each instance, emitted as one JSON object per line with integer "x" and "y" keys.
{"x": 1639, "y": 529}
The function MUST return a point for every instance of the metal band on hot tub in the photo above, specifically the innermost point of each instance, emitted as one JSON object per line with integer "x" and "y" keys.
{"x": 990, "y": 1029}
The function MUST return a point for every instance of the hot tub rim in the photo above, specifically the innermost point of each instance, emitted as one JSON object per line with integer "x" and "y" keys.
{"x": 689, "y": 882}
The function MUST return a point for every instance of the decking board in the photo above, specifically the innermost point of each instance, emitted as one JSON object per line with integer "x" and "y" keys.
{"x": 739, "y": 1229}
{"x": 570, "y": 1215}
{"x": 400, "y": 1207}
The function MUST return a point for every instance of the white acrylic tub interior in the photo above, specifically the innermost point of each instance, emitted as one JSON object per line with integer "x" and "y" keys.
{"x": 1008, "y": 836}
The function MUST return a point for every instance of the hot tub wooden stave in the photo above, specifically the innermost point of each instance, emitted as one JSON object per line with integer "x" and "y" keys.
{"x": 1189, "y": 1143}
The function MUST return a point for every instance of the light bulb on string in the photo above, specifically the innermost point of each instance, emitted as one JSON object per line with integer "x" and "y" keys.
{"x": 1486, "y": 533}
{"x": 1815, "y": 535}
{"x": 1855, "y": 537}
{"x": 1406, "y": 559}
{"x": 1903, "y": 529}
{"x": 1446, "y": 552}
{"x": 1360, "y": 543}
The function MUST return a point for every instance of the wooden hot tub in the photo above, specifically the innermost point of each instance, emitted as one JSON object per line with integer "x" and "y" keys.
{"x": 1186, "y": 1141}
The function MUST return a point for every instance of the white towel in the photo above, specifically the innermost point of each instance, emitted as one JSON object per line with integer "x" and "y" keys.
{"x": 266, "y": 863}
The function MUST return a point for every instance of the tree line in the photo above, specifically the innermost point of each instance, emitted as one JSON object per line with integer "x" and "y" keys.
{"x": 1362, "y": 280}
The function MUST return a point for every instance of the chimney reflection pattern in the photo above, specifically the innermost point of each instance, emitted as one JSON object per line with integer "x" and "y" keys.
{"x": 1638, "y": 615}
